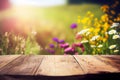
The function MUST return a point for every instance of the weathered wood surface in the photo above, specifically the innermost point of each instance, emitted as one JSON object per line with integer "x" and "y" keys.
{"x": 44, "y": 67}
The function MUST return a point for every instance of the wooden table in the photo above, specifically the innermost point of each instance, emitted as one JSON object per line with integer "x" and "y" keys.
{"x": 60, "y": 67}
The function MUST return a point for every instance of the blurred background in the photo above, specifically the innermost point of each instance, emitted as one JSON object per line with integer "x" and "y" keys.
{"x": 44, "y": 19}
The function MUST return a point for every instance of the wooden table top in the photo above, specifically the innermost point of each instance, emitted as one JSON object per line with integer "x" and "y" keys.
{"x": 70, "y": 66}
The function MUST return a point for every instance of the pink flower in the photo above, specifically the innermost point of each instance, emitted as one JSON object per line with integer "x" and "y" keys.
{"x": 69, "y": 50}
{"x": 65, "y": 45}
{"x": 78, "y": 37}
{"x": 83, "y": 49}
{"x": 79, "y": 45}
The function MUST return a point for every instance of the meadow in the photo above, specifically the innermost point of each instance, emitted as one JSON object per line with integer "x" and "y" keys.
{"x": 43, "y": 25}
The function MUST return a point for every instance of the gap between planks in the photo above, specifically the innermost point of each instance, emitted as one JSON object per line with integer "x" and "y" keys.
{"x": 25, "y": 65}
{"x": 7, "y": 59}
{"x": 93, "y": 65}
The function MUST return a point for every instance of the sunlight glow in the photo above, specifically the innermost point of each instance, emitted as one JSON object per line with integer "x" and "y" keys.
{"x": 42, "y": 3}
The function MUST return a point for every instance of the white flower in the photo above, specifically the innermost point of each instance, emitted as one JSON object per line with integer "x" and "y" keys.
{"x": 115, "y": 25}
{"x": 93, "y": 46}
{"x": 99, "y": 46}
{"x": 112, "y": 32}
{"x": 84, "y": 41}
{"x": 116, "y": 51}
{"x": 83, "y": 31}
{"x": 94, "y": 38}
{"x": 87, "y": 33}
{"x": 112, "y": 46}
{"x": 116, "y": 37}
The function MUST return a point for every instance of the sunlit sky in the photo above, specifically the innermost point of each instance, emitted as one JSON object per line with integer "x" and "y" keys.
{"x": 38, "y": 2}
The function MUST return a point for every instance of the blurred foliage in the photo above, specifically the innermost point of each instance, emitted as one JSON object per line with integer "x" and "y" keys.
{"x": 51, "y": 22}
{"x": 10, "y": 43}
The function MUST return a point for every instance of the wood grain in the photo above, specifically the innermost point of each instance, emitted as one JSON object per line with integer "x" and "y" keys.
{"x": 94, "y": 66}
{"x": 25, "y": 65}
{"x": 59, "y": 66}
{"x": 112, "y": 60}
{"x": 5, "y": 59}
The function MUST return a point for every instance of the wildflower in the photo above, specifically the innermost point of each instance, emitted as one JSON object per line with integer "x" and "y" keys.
{"x": 73, "y": 26}
{"x": 84, "y": 41}
{"x": 104, "y": 39}
{"x": 52, "y": 46}
{"x": 93, "y": 46}
{"x": 83, "y": 32}
{"x": 99, "y": 46}
{"x": 95, "y": 38}
{"x": 116, "y": 37}
{"x": 112, "y": 32}
{"x": 61, "y": 41}
{"x": 105, "y": 8}
{"x": 112, "y": 47}
{"x": 79, "y": 45}
{"x": 78, "y": 37}
{"x": 87, "y": 33}
{"x": 83, "y": 49}
{"x": 65, "y": 45}
{"x": 92, "y": 42}
{"x": 56, "y": 40}
{"x": 115, "y": 25}
{"x": 69, "y": 50}
{"x": 104, "y": 18}
{"x": 115, "y": 51}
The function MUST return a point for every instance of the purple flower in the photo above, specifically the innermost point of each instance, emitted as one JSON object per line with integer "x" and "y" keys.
{"x": 73, "y": 26}
{"x": 51, "y": 51}
{"x": 56, "y": 40}
{"x": 61, "y": 41}
{"x": 51, "y": 46}
{"x": 65, "y": 45}
{"x": 69, "y": 50}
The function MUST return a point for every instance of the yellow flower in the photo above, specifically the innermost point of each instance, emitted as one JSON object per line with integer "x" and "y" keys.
{"x": 104, "y": 39}
{"x": 97, "y": 30}
{"x": 92, "y": 42}
{"x": 106, "y": 36}
{"x": 85, "y": 20}
{"x": 105, "y": 8}
{"x": 106, "y": 26}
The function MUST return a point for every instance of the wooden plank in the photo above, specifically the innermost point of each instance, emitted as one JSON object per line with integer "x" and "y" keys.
{"x": 5, "y": 59}
{"x": 59, "y": 66}
{"x": 26, "y": 65}
{"x": 113, "y": 60}
{"x": 93, "y": 65}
